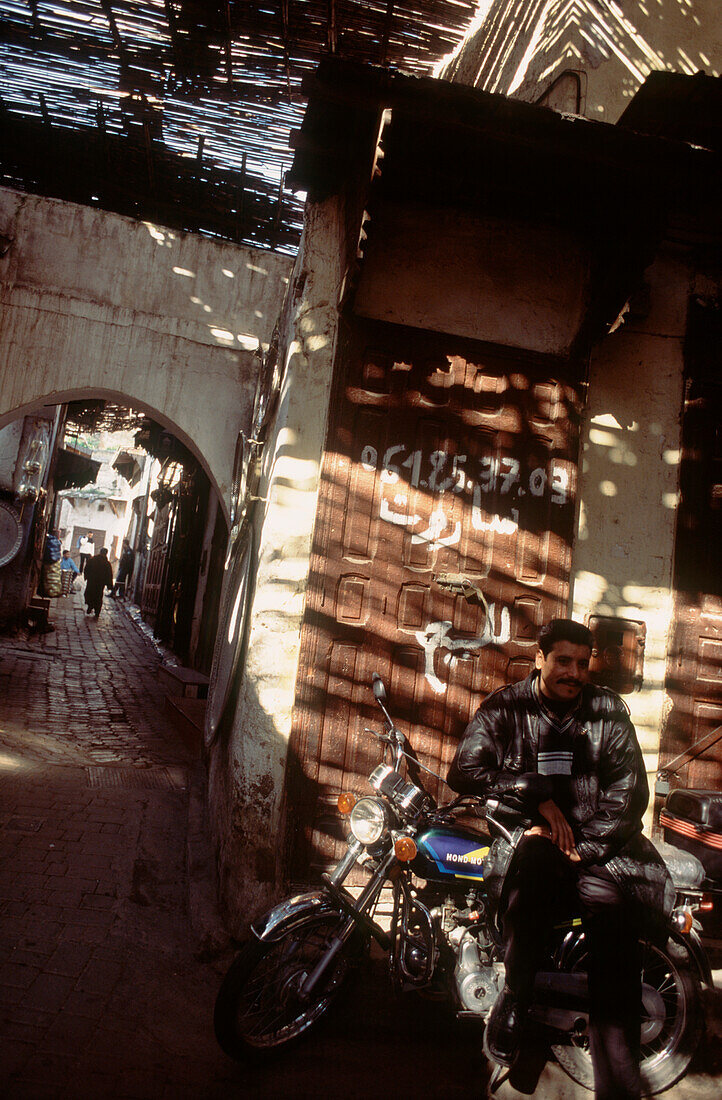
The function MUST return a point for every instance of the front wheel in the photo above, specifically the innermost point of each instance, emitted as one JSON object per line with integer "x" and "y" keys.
{"x": 259, "y": 1007}
{"x": 671, "y": 1022}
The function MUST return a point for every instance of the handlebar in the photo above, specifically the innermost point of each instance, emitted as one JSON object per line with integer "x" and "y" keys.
{"x": 396, "y": 741}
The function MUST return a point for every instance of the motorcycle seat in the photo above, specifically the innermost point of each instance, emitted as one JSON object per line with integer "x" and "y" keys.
{"x": 684, "y": 868}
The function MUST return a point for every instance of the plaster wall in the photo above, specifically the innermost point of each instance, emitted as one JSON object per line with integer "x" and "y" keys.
{"x": 517, "y": 284}
{"x": 95, "y": 515}
{"x": 94, "y": 304}
{"x": 629, "y": 483}
{"x": 247, "y": 771}
{"x": 614, "y": 45}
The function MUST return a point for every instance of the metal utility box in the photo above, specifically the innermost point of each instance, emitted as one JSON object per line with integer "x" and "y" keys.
{"x": 618, "y": 655}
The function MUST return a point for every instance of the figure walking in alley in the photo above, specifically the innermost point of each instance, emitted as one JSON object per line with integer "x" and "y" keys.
{"x": 98, "y": 576}
{"x": 68, "y": 572}
{"x": 86, "y": 547}
{"x": 125, "y": 569}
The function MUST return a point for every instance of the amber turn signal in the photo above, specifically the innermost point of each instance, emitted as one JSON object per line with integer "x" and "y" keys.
{"x": 682, "y": 918}
{"x": 346, "y": 802}
{"x": 405, "y": 849}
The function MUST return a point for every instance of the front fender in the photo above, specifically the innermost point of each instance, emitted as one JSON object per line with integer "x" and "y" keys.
{"x": 291, "y": 913}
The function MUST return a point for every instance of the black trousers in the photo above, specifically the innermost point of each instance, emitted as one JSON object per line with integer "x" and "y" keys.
{"x": 543, "y": 887}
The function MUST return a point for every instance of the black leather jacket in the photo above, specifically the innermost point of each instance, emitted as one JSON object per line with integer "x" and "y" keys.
{"x": 609, "y": 782}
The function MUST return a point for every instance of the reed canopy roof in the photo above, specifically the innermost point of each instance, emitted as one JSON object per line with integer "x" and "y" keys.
{"x": 181, "y": 111}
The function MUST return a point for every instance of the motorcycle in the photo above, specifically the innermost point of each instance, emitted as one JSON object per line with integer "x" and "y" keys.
{"x": 444, "y": 935}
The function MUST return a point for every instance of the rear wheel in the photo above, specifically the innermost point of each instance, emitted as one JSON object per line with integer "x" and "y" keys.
{"x": 260, "y": 1007}
{"x": 671, "y": 1021}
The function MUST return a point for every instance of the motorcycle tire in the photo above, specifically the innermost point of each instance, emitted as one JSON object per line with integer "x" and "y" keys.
{"x": 258, "y": 1008}
{"x": 669, "y": 1041}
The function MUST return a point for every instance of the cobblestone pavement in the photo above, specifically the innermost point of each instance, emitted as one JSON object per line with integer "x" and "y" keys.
{"x": 96, "y": 956}
{"x": 105, "y": 988}
{"x": 102, "y": 990}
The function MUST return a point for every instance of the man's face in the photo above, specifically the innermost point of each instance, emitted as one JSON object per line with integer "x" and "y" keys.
{"x": 564, "y": 670}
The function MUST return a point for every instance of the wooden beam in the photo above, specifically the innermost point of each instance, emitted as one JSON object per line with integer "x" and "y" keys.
{"x": 104, "y": 163}
{"x": 36, "y": 16}
{"x": 44, "y": 109}
{"x": 229, "y": 42}
{"x": 286, "y": 55}
{"x": 332, "y": 37}
{"x": 148, "y": 138}
{"x": 110, "y": 16}
{"x": 240, "y": 216}
{"x": 279, "y": 204}
{"x": 172, "y": 29}
{"x": 387, "y": 32}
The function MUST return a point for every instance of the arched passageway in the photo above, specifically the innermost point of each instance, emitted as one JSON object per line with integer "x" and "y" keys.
{"x": 162, "y": 503}
{"x": 95, "y": 303}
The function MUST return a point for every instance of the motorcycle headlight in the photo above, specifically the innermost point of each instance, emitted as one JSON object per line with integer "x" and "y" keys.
{"x": 368, "y": 820}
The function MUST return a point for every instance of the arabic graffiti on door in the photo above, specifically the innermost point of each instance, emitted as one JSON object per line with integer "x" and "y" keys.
{"x": 436, "y": 636}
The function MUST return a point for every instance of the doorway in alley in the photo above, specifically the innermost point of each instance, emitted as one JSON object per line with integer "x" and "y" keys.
{"x": 442, "y": 542}
{"x": 100, "y": 474}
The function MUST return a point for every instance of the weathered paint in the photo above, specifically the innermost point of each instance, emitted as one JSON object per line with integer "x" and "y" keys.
{"x": 247, "y": 771}
{"x": 94, "y": 304}
{"x": 629, "y": 480}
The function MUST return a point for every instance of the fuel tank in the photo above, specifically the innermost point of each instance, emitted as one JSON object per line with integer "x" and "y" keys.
{"x": 446, "y": 854}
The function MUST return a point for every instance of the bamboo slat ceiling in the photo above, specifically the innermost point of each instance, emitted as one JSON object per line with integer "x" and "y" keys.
{"x": 180, "y": 111}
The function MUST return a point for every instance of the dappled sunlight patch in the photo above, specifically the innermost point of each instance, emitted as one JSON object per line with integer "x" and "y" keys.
{"x": 10, "y": 762}
{"x": 162, "y": 236}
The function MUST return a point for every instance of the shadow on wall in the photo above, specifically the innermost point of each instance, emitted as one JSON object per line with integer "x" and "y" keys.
{"x": 519, "y": 489}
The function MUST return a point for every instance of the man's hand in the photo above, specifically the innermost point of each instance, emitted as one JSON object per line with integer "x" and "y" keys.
{"x": 559, "y": 829}
{"x": 543, "y": 830}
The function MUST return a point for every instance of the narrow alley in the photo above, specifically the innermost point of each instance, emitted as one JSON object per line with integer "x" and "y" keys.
{"x": 106, "y": 981}
{"x": 101, "y": 994}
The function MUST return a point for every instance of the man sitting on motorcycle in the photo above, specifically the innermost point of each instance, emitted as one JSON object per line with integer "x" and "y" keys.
{"x": 562, "y": 756}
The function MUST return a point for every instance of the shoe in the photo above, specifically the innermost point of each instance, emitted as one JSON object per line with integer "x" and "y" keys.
{"x": 502, "y": 1034}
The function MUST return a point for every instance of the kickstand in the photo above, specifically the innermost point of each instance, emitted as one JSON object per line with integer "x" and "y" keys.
{"x": 497, "y": 1079}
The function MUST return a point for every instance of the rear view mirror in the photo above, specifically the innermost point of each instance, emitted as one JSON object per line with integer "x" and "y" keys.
{"x": 378, "y": 688}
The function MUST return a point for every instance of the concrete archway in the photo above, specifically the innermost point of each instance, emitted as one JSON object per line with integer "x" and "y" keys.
{"x": 170, "y": 322}
{"x": 41, "y": 407}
